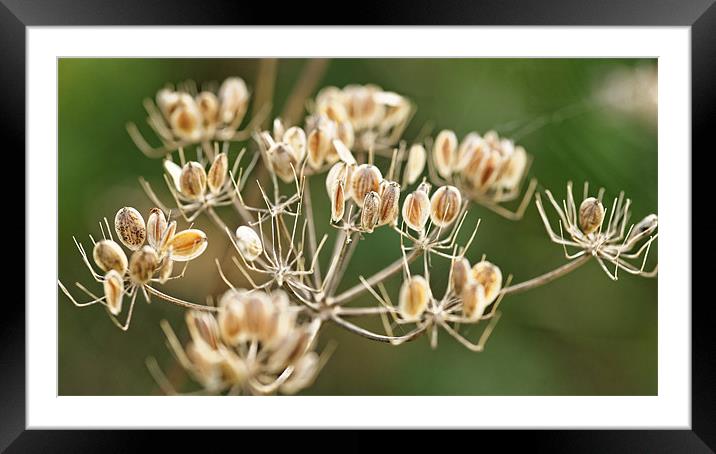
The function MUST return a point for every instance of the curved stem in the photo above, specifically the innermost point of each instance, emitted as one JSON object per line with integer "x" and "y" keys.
{"x": 546, "y": 277}
{"x": 377, "y": 337}
{"x": 179, "y": 302}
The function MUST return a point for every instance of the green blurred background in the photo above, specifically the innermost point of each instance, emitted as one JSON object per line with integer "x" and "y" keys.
{"x": 581, "y": 335}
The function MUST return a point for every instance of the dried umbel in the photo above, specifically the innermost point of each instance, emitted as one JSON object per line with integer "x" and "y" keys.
{"x": 591, "y": 215}
{"x": 192, "y": 181}
{"x": 371, "y": 211}
{"x": 365, "y": 178}
{"x": 248, "y": 243}
{"x": 445, "y": 205}
{"x": 130, "y": 228}
{"x": 416, "y": 209}
{"x": 489, "y": 276}
{"x": 108, "y": 255}
{"x": 414, "y": 297}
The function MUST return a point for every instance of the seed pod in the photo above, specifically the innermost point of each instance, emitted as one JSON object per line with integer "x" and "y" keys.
{"x": 174, "y": 172}
{"x": 335, "y": 111}
{"x": 363, "y": 110}
{"x": 492, "y": 139}
{"x": 338, "y": 202}
{"x": 514, "y": 169}
{"x": 130, "y": 228}
{"x": 113, "y": 291}
{"x": 344, "y": 132}
{"x": 109, "y": 255}
{"x": 284, "y": 161}
{"x": 206, "y": 364}
{"x": 284, "y": 319}
{"x": 488, "y": 170}
{"x": 344, "y": 154}
{"x": 156, "y": 226}
{"x": 142, "y": 265}
{"x": 165, "y": 271}
{"x": 248, "y": 243}
{"x": 340, "y": 172}
{"x": 648, "y": 224}
{"x": 233, "y": 369}
{"x": 203, "y": 329}
{"x": 371, "y": 211}
{"x": 186, "y": 119}
{"x": 216, "y": 177}
{"x": 445, "y": 152}
{"x": 296, "y": 138}
{"x": 461, "y": 275}
{"x": 416, "y": 210}
{"x": 490, "y": 277}
{"x": 166, "y": 238}
{"x": 292, "y": 347}
{"x": 231, "y": 320}
{"x": 413, "y": 298}
{"x": 258, "y": 312}
{"x": 417, "y": 156}
{"x": 192, "y": 181}
{"x": 187, "y": 245}
{"x": 234, "y": 98}
{"x": 167, "y": 101}
{"x": 445, "y": 205}
{"x": 208, "y": 105}
{"x": 466, "y": 149}
{"x": 389, "y": 202}
{"x": 474, "y": 301}
{"x": 318, "y": 145}
{"x": 591, "y": 215}
{"x": 365, "y": 178}
{"x": 278, "y": 129}
{"x": 304, "y": 372}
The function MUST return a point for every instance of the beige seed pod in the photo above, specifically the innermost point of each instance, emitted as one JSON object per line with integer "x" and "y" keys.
{"x": 188, "y": 245}
{"x": 513, "y": 170}
{"x": 365, "y": 178}
{"x": 461, "y": 275}
{"x": 249, "y": 243}
{"x": 488, "y": 170}
{"x": 192, "y": 181}
{"x": 186, "y": 119}
{"x": 233, "y": 99}
{"x": 218, "y": 171}
{"x": 389, "y": 202}
{"x": 413, "y": 298}
{"x": 142, "y": 265}
{"x": 445, "y": 152}
{"x": 466, "y": 150}
{"x": 296, "y": 138}
{"x": 318, "y": 145}
{"x": 371, "y": 211}
{"x": 474, "y": 301}
{"x": 231, "y": 321}
{"x": 414, "y": 167}
{"x": 208, "y": 105}
{"x": 445, "y": 205}
{"x": 166, "y": 238}
{"x": 338, "y": 202}
{"x": 206, "y": 365}
{"x": 203, "y": 329}
{"x": 278, "y": 129}
{"x": 492, "y": 139}
{"x": 174, "y": 172}
{"x": 156, "y": 226}
{"x": 334, "y": 110}
{"x": 167, "y": 101}
{"x": 344, "y": 132}
{"x": 489, "y": 276}
{"x": 591, "y": 215}
{"x": 130, "y": 227}
{"x": 343, "y": 172}
{"x": 233, "y": 368}
{"x": 109, "y": 255}
{"x": 291, "y": 348}
{"x": 304, "y": 373}
{"x": 344, "y": 154}
{"x": 416, "y": 210}
{"x": 258, "y": 314}
{"x": 648, "y": 224}
{"x": 165, "y": 271}
{"x": 113, "y": 291}
{"x": 284, "y": 161}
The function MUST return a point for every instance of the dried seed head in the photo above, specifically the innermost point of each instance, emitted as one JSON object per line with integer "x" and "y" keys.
{"x": 108, "y": 255}
{"x": 208, "y": 105}
{"x": 165, "y": 271}
{"x": 284, "y": 161}
{"x": 248, "y": 243}
{"x": 461, "y": 275}
{"x": 513, "y": 169}
{"x": 389, "y": 202}
{"x": 490, "y": 277}
{"x": 296, "y": 138}
{"x": 156, "y": 226}
{"x": 445, "y": 152}
{"x": 234, "y": 98}
{"x": 192, "y": 181}
{"x": 174, "y": 172}
{"x": 187, "y": 245}
{"x": 142, "y": 265}
{"x": 371, "y": 211}
{"x": 416, "y": 210}
{"x": 413, "y": 298}
{"x": 186, "y": 120}
{"x": 591, "y": 215}
{"x": 113, "y": 291}
{"x": 130, "y": 228}
{"x": 318, "y": 145}
{"x": 417, "y": 156}
{"x": 203, "y": 329}
{"x": 363, "y": 109}
{"x": 365, "y": 178}
{"x": 648, "y": 224}
{"x": 304, "y": 372}
{"x": 445, "y": 205}
{"x": 291, "y": 348}
{"x": 216, "y": 177}
{"x": 474, "y": 301}
{"x": 338, "y": 202}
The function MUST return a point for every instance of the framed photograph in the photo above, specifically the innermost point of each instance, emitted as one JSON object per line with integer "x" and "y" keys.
{"x": 359, "y": 227}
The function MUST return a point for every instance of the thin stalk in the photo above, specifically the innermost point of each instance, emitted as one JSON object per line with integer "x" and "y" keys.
{"x": 377, "y": 337}
{"x": 308, "y": 81}
{"x": 547, "y": 277}
{"x": 312, "y": 245}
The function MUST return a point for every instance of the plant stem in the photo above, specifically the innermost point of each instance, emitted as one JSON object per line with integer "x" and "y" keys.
{"x": 546, "y": 277}
{"x": 377, "y": 337}
{"x": 310, "y": 76}
{"x": 308, "y": 205}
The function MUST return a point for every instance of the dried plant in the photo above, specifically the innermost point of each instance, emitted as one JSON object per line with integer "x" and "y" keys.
{"x": 260, "y": 337}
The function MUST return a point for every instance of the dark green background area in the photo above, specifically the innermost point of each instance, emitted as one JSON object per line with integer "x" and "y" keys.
{"x": 581, "y": 335}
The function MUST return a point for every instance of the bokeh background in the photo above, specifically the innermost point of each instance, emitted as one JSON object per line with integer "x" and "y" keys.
{"x": 580, "y": 335}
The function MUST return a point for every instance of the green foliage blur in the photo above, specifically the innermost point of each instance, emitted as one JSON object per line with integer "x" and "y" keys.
{"x": 581, "y": 335}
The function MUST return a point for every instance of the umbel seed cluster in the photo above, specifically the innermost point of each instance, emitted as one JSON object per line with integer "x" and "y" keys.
{"x": 261, "y": 336}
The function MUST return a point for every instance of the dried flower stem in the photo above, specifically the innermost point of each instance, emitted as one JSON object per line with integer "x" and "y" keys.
{"x": 546, "y": 277}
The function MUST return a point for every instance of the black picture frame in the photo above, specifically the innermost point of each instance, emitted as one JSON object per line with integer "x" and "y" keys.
{"x": 699, "y": 15}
